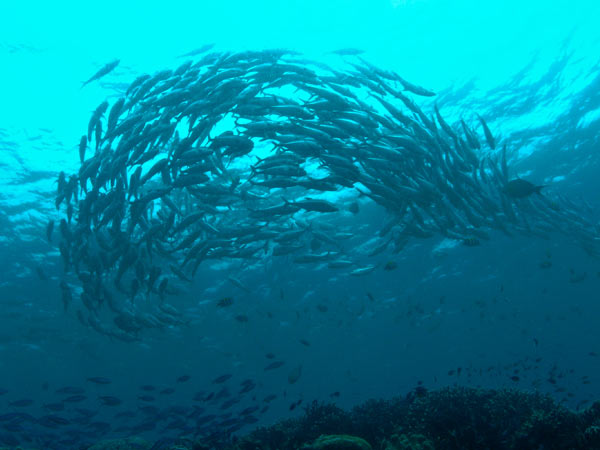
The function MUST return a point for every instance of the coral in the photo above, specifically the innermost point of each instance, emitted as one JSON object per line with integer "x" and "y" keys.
{"x": 132, "y": 443}
{"x": 338, "y": 442}
{"x": 408, "y": 442}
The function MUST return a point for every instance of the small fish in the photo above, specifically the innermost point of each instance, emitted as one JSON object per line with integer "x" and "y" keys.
{"x": 41, "y": 274}
{"x": 75, "y": 399}
{"x": 295, "y": 373}
{"x": 390, "y": 265}
{"x": 21, "y": 403}
{"x": 49, "y": 230}
{"x": 103, "y": 71}
{"x": 416, "y": 89}
{"x": 183, "y": 378}
{"x": 274, "y": 365}
{"x": 82, "y": 148}
{"x": 55, "y": 406}
{"x": 577, "y": 278}
{"x": 99, "y": 380}
{"x": 489, "y": 137}
{"x": 222, "y": 378}
{"x": 293, "y": 405}
{"x": 109, "y": 400}
{"x": 269, "y": 398}
{"x": 70, "y": 390}
{"x": 348, "y": 52}
{"x": 471, "y": 242}
{"x": 198, "y": 51}
{"x": 225, "y": 302}
{"x": 239, "y": 284}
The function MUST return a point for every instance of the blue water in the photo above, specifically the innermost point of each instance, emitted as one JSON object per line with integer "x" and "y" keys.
{"x": 493, "y": 310}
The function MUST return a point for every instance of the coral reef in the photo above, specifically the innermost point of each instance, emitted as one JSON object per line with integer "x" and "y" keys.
{"x": 445, "y": 419}
{"x": 450, "y": 418}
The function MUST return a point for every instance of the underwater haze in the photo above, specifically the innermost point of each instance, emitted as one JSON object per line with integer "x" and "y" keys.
{"x": 213, "y": 214}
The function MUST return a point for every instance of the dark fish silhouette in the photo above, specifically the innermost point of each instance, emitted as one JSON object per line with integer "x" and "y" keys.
{"x": 198, "y": 51}
{"x": 519, "y": 188}
{"x": 103, "y": 71}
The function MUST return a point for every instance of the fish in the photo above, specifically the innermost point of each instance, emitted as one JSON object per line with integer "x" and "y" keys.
{"x": 70, "y": 390}
{"x": 415, "y": 89}
{"x": 360, "y": 271}
{"x": 75, "y": 399}
{"x": 109, "y": 400}
{"x": 198, "y": 51}
{"x": 295, "y": 374}
{"x": 519, "y": 188}
{"x": 222, "y": 378}
{"x": 173, "y": 191}
{"x": 274, "y": 365}
{"x": 489, "y": 137}
{"x": 390, "y": 265}
{"x": 99, "y": 380}
{"x": 347, "y": 52}
{"x": 225, "y": 302}
{"x": 21, "y": 403}
{"x": 238, "y": 284}
{"x": 105, "y": 70}
{"x": 49, "y": 230}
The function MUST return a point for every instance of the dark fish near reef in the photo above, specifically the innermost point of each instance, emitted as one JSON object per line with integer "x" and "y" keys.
{"x": 103, "y": 71}
{"x": 519, "y": 188}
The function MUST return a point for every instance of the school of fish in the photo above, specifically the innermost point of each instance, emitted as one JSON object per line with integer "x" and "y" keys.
{"x": 255, "y": 155}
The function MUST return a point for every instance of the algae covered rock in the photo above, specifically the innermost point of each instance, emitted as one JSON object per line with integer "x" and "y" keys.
{"x": 338, "y": 442}
{"x": 132, "y": 443}
{"x": 408, "y": 442}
